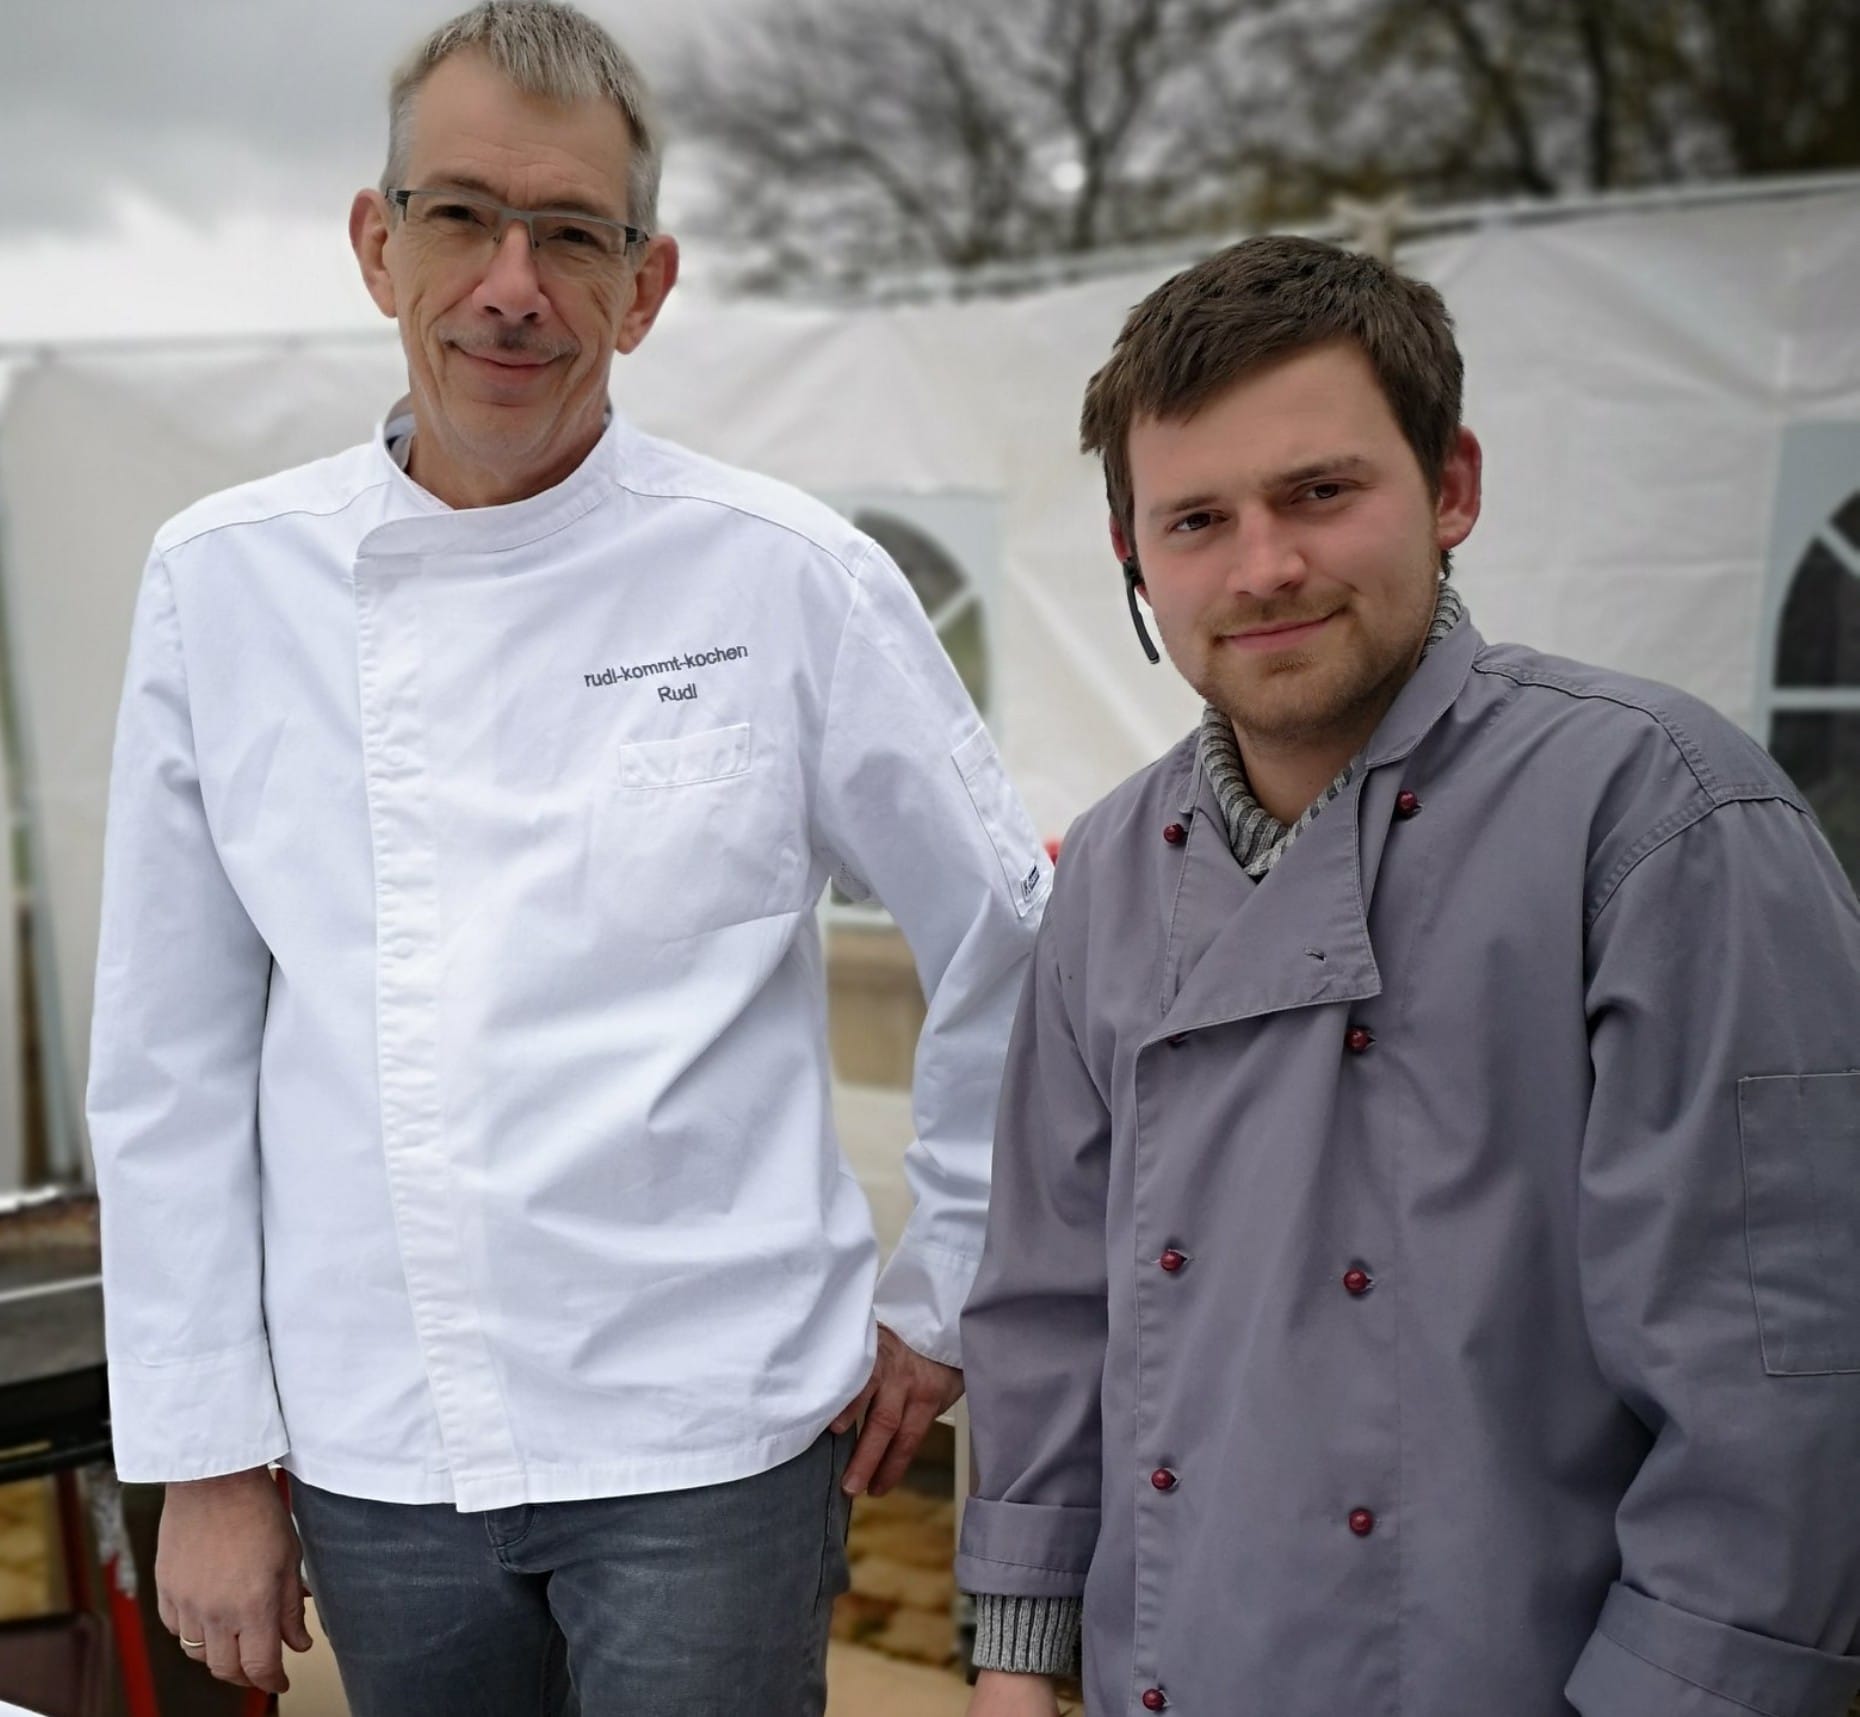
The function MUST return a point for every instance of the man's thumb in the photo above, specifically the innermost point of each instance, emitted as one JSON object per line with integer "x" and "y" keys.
{"x": 296, "y": 1632}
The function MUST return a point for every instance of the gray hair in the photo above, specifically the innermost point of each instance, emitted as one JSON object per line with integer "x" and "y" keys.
{"x": 546, "y": 49}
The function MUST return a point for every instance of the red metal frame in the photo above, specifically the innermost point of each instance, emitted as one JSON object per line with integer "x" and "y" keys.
{"x": 119, "y": 1583}
{"x": 111, "y": 1536}
{"x": 132, "y": 1646}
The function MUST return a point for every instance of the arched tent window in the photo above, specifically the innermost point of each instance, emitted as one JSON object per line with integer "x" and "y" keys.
{"x": 1814, "y": 700}
{"x": 945, "y": 587}
{"x": 948, "y": 546}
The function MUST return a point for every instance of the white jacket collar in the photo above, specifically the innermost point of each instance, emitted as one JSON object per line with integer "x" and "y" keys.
{"x": 423, "y": 524}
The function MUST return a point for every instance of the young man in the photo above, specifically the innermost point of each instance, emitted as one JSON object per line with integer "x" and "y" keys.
{"x": 459, "y": 1086}
{"x": 1420, "y": 1275}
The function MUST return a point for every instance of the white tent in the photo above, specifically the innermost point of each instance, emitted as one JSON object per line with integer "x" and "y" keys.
{"x": 1635, "y": 371}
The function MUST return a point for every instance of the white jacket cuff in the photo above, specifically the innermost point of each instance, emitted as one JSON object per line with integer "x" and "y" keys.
{"x": 195, "y": 1418}
{"x": 920, "y": 1297}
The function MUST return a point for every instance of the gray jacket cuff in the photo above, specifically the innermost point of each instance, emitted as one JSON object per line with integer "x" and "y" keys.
{"x": 1646, "y": 1657}
{"x": 1027, "y": 1636}
{"x": 1025, "y": 1549}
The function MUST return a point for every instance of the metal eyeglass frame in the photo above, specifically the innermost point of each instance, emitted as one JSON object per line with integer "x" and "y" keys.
{"x": 631, "y": 237}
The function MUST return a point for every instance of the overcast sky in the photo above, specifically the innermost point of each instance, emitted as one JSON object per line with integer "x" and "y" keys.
{"x": 187, "y": 165}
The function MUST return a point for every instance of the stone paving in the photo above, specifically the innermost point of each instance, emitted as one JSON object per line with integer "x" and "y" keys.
{"x": 901, "y": 1550}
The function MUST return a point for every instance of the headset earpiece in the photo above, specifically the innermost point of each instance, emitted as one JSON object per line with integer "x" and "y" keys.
{"x": 1133, "y": 576}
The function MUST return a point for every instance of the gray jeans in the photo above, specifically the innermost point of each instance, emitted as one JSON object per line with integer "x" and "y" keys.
{"x": 692, "y": 1603}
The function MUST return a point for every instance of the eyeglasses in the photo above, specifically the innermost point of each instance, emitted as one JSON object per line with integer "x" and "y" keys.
{"x": 462, "y": 226}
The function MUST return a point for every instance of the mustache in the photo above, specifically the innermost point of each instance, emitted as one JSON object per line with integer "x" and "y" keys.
{"x": 1253, "y": 620}
{"x": 508, "y": 340}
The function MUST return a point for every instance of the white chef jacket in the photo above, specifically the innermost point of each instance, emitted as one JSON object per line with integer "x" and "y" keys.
{"x": 459, "y": 1085}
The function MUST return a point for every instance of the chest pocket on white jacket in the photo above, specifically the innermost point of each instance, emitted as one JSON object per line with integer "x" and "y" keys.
{"x": 693, "y": 836}
{"x": 690, "y": 760}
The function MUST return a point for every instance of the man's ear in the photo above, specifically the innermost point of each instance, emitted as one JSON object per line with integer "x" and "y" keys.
{"x": 1133, "y": 586}
{"x": 653, "y": 281}
{"x": 368, "y": 237}
{"x": 1120, "y": 543}
{"x": 1457, "y": 510}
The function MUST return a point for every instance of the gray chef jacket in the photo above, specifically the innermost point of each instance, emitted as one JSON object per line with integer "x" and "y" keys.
{"x": 1426, "y": 1282}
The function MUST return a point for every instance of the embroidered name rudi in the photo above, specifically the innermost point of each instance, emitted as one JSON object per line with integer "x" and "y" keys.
{"x": 682, "y": 664}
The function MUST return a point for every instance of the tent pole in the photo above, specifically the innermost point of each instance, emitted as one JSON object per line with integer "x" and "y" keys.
{"x": 63, "y": 1146}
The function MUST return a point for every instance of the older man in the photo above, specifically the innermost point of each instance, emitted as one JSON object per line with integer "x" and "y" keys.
{"x": 1420, "y": 1277}
{"x": 459, "y": 1091}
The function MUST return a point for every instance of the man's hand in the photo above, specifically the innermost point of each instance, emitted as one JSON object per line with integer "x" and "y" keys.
{"x": 226, "y": 1576}
{"x": 904, "y": 1396}
{"x": 1001, "y": 1695}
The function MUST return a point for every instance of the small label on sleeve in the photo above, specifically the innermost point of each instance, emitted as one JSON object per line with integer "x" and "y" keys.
{"x": 1025, "y": 867}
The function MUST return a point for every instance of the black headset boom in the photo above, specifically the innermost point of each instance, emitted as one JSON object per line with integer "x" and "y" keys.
{"x": 1133, "y": 576}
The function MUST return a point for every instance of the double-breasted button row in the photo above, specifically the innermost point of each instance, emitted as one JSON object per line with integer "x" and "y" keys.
{"x": 1170, "y": 1262}
{"x": 1356, "y": 1282}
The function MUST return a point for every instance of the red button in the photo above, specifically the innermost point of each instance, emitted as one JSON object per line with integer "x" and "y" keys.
{"x": 1176, "y": 1039}
{"x": 1357, "y": 1040}
{"x": 1175, "y": 835}
{"x": 1362, "y": 1522}
{"x": 1172, "y": 1260}
{"x": 1406, "y": 804}
{"x": 1153, "y": 1699}
{"x": 1163, "y": 1479}
{"x": 1356, "y": 1281}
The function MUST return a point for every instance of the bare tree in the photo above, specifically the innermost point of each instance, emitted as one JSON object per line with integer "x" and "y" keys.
{"x": 850, "y": 136}
{"x": 1775, "y": 83}
{"x": 1536, "y": 97}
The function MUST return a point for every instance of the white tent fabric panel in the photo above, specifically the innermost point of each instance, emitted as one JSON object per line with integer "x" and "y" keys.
{"x": 12, "y": 1108}
{"x": 1629, "y": 373}
{"x": 949, "y": 396}
{"x": 12, "y": 1090}
{"x": 94, "y": 453}
{"x": 1630, "y": 378}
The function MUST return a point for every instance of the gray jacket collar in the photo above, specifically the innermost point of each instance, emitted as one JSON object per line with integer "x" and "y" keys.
{"x": 1236, "y": 948}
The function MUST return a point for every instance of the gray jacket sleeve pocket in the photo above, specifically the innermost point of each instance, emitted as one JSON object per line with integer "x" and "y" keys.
{"x": 1800, "y": 1135}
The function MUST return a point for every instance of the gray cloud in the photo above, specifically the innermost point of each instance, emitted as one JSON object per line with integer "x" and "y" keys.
{"x": 194, "y": 103}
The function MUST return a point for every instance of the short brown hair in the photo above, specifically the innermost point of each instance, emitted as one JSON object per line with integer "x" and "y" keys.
{"x": 1263, "y": 299}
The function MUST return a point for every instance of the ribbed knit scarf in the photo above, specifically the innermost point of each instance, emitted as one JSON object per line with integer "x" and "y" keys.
{"x": 1258, "y": 838}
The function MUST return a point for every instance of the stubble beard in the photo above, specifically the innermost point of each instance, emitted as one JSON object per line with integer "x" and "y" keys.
{"x": 1293, "y": 702}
